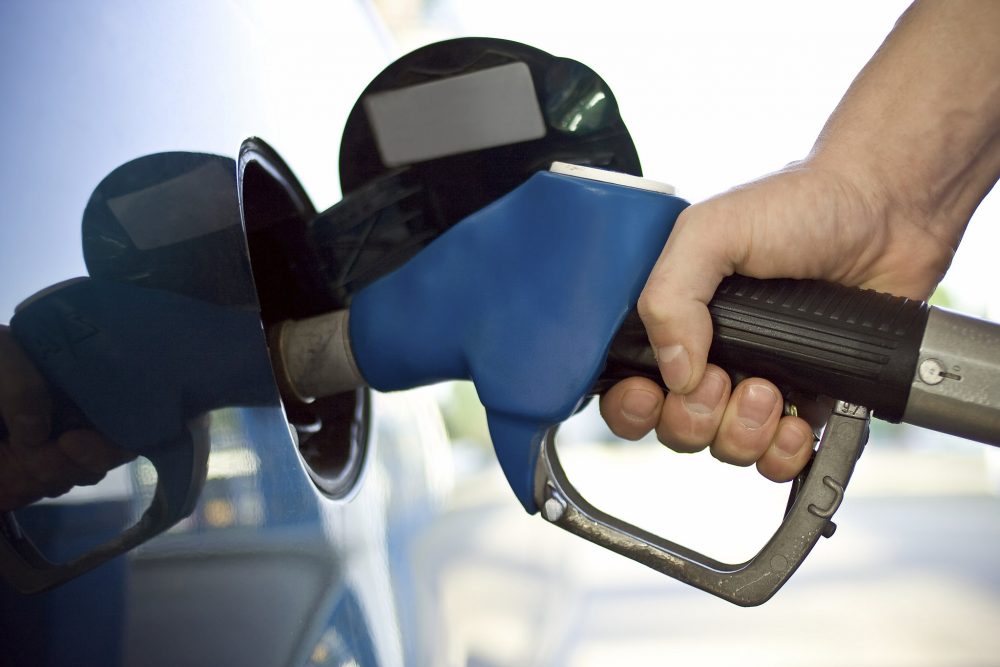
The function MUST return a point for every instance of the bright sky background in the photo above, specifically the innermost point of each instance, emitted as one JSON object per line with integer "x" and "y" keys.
{"x": 714, "y": 93}
{"x": 87, "y": 88}
{"x": 717, "y": 93}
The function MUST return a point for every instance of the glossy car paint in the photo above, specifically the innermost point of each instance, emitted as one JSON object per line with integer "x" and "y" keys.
{"x": 268, "y": 569}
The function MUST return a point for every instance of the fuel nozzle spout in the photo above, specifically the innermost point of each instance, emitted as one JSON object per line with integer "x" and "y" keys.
{"x": 522, "y": 297}
{"x": 532, "y": 298}
{"x": 956, "y": 387}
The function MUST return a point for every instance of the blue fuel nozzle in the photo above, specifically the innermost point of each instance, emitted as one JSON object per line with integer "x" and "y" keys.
{"x": 523, "y": 298}
{"x": 138, "y": 365}
{"x": 527, "y": 297}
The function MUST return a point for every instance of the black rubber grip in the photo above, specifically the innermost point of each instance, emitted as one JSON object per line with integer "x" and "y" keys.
{"x": 809, "y": 336}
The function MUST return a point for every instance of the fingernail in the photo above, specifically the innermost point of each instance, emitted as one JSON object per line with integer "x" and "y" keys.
{"x": 706, "y": 396}
{"x": 675, "y": 366}
{"x": 638, "y": 405}
{"x": 789, "y": 441}
{"x": 755, "y": 406}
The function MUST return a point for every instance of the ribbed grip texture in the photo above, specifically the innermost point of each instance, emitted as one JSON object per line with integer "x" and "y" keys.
{"x": 814, "y": 337}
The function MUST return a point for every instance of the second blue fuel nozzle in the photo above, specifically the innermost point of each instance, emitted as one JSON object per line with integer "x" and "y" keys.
{"x": 472, "y": 264}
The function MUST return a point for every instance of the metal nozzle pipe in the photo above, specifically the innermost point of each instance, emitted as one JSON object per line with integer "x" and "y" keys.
{"x": 312, "y": 358}
{"x": 956, "y": 388}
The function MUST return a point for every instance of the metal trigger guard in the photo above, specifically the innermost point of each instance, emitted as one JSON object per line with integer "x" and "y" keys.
{"x": 816, "y": 495}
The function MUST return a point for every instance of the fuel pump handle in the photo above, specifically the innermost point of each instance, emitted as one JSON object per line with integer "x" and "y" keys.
{"x": 814, "y": 337}
{"x": 530, "y": 298}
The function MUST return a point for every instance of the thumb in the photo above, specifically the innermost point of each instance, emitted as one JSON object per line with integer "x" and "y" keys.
{"x": 673, "y": 304}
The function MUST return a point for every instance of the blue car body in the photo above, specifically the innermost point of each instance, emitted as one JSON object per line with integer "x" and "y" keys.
{"x": 268, "y": 569}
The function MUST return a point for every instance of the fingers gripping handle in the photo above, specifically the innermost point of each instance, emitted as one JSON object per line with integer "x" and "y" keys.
{"x": 814, "y": 337}
{"x": 457, "y": 310}
{"x": 66, "y": 416}
{"x": 141, "y": 366}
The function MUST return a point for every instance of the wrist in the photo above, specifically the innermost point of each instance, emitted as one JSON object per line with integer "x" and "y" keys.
{"x": 902, "y": 241}
{"x": 904, "y": 183}
{"x": 875, "y": 195}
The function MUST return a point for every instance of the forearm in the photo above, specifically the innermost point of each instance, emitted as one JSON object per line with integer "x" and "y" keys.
{"x": 922, "y": 119}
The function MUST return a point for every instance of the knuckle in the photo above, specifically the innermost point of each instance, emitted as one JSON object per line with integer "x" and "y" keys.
{"x": 626, "y": 430}
{"x": 772, "y": 472}
{"x": 631, "y": 435}
{"x": 684, "y": 431}
{"x": 734, "y": 453}
{"x": 732, "y": 458}
{"x": 680, "y": 444}
{"x": 652, "y": 308}
{"x": 681, "y": 447}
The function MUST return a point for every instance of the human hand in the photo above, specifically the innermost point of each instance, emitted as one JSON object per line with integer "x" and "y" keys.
{"x": 33, "y": 463}
{"x": 881, "y": 202}
{"x": 810, "y": 220}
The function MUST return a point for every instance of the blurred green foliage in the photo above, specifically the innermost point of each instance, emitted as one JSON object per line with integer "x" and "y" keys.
{"x": 464, "y": 416}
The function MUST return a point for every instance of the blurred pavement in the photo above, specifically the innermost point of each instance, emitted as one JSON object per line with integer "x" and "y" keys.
{"x": 909, "y": 579}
